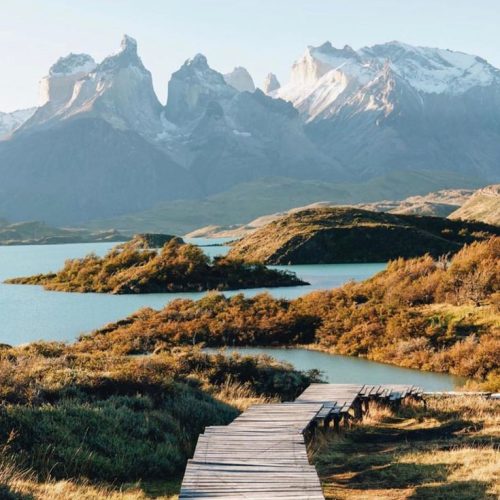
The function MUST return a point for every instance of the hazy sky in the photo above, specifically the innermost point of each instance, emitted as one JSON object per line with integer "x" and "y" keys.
{"x": 262, "y": 35}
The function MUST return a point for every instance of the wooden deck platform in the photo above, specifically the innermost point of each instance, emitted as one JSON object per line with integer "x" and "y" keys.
{"x": 262, "y": 454}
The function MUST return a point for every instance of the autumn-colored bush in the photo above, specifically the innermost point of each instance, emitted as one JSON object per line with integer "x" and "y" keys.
{"x": 130, "y": 268}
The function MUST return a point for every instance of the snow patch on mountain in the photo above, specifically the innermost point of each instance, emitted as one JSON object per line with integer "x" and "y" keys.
{"x": 432, "y": 70}
{"x": 326, "y": 78}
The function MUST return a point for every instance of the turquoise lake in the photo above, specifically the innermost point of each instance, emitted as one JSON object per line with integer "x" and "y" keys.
{"x": 29, "y": 313}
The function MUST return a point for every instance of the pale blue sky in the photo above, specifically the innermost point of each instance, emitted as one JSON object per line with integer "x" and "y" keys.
{"x": 262, "y": 35}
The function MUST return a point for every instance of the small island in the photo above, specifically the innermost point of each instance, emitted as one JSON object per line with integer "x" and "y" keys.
{"x": 134, "y": 267}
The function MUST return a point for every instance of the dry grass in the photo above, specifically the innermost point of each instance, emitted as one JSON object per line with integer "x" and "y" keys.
{"x": 448, "y": 451}
{"x": 480, "y": 465}
{"x": 21, "y": 484}
{"x": 66, "y": 490}
{"x": 240, "y": 396}
{"x": 485, "y": 317}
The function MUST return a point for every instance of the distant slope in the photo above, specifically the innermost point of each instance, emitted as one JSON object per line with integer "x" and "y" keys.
{"x": 483, "y": 206}
{"x": 84, "y": 170}
{"x": 330, "y": 235}
{"x": 247, "y": 201}
{"x": 439, "y": 204}
{"x": 39, "y": 233}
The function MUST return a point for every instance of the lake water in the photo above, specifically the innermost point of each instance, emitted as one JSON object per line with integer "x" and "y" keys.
{"x": 351, "y": 370}
{"x": 29, "y": 313}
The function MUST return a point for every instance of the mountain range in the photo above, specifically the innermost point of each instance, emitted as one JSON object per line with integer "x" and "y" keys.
{"x": 101, "y": 146}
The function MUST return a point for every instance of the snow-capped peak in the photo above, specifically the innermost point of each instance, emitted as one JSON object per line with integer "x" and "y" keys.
{"x": 57, "y": 86}
{"x": 432, "y": 70}
{"x": 326, "y": 77}
{"x": 322, "y": 74}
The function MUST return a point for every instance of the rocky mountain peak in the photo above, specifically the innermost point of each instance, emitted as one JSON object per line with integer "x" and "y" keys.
{"x": 125, "y": 57}
{"x": 270, "y": 84}
{"x": 240, "y": 79}
{"x": 119, "y": 90}
{"x": 128, "y": 44}
{"x": 199, "y": 61}
{"x": 192, "y": 87}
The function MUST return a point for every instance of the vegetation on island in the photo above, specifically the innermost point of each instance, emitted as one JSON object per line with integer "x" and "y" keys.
{"x": 133, "y": 267}
{"x": 448, "y": 449}
{"x": 92, "y": 421}
{"x": 442, "y": 316}
{"x": 343, "y": 234}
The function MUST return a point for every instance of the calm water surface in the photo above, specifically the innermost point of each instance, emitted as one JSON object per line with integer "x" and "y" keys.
{"x": 350, "y": 370}
{"x": 29, "y": 313}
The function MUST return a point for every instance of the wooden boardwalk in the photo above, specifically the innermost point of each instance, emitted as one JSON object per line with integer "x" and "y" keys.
{"x": 262, "y": 454}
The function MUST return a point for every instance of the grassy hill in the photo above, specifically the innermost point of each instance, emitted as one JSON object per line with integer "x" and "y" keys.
{"x": 343, "y": 234}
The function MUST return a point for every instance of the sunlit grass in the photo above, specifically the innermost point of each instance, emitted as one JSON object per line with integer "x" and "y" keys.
{"x": 449, "y": 450}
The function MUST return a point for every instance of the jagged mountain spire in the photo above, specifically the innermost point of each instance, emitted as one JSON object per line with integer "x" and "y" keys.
{"x": 119, "y": 90}
{"x": 192, "y": 87}
{"x": 270, "y": 84}
{"x": 240, "y": 79}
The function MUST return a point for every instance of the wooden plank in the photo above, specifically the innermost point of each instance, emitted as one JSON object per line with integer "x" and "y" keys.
{"x": 262, "y": 454}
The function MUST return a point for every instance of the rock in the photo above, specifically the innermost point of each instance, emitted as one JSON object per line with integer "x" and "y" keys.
{"x": 240, "y": 79}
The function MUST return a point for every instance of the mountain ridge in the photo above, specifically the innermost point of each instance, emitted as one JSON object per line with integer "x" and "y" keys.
{"x": 345, "y": 115}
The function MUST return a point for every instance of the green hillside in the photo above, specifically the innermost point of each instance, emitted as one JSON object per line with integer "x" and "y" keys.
{"x": 248, "y": 201}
